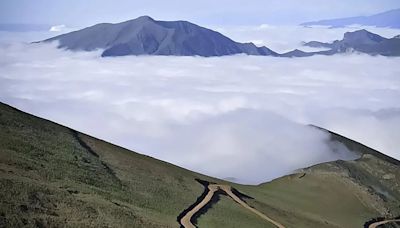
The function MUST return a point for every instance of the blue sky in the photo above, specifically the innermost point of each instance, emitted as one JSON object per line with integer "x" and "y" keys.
{"x": 206, "y": 12}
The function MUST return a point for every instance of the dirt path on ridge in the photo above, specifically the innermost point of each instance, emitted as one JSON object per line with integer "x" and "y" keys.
{"x": 185, "y": 221}
{"x": 376, "y": 224}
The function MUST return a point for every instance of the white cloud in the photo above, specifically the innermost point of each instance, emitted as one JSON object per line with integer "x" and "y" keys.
{"x": 58, "y": 28}
{"x": 237, "y": 116}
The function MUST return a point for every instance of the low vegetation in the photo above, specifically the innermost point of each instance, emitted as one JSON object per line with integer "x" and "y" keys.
{"x": 53, "y": 176}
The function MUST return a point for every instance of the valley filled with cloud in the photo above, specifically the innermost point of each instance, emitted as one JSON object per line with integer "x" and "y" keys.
{"x": 214, "y": 115}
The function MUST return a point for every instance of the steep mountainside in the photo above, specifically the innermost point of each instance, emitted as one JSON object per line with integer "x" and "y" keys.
{"x": 146, "y": 36}
{"x": 386, "y": 19}
{"x": 53, "y": 176}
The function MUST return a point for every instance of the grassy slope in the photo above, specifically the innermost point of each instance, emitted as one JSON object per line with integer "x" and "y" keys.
{"x": 226, "y": 209}
{"x": 48, "y": 178}
{"x": 335, "y": 194}
{"x": 51, "y": 175}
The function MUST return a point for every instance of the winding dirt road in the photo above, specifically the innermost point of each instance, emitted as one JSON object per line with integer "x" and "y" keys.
{"x": 185, "y": 220}
{"x": 376, "y": 224}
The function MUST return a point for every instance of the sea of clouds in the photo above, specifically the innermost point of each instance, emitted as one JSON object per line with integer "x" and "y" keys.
{"x": 238, "y": 117}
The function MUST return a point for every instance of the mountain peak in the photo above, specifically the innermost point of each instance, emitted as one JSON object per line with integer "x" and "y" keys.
{"x": 139, "y": 20}
{"x": 362, "y": 36}
{"x": 144, "y": 18}
{"x": 146, "y": 36}
{"x": 358, "y": 32}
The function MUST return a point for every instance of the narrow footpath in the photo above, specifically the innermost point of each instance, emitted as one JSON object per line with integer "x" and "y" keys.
{"x": 376, "y": 224}
{"x": 185, "y": 221}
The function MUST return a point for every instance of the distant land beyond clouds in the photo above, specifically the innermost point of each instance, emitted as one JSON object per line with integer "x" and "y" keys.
{"x": 389, "y": 19}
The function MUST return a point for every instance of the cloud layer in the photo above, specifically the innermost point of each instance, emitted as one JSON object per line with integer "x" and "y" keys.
{"x": 237, "y": 117}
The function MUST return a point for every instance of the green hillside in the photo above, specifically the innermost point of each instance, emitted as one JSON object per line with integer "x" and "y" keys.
{"x": 53, "y": 176}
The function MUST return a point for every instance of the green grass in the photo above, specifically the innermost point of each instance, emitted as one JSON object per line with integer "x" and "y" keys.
{"x": 49, "y": 177}
{"x": 335, "y": 194}
{"x": 227, "y": 213}
{"x": 38, "y": 157}
{"x": 313, "y": 199}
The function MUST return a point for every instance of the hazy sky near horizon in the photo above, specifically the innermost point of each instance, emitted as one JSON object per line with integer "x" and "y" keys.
{"x": 206, "y": 12}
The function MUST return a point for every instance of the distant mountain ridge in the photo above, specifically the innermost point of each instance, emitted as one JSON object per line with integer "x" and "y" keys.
{"x": 360, "y": 41}
{"x": 146, "y": 36}
{"x": 386, "y": 19}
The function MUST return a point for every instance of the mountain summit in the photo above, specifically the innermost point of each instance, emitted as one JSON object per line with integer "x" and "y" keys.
{"x": 146, "y": 36}
{"x": 362, "y": 37}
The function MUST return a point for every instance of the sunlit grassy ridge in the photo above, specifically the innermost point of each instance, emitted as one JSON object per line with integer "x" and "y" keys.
{"x": 53, "y": 176}
{"x": 48, "y": 177}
